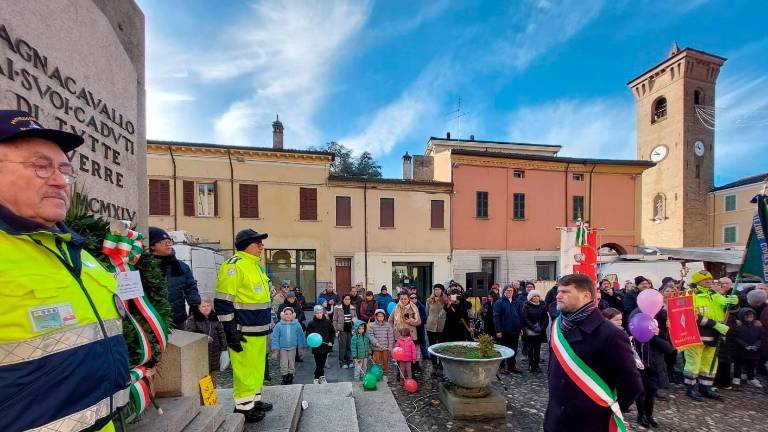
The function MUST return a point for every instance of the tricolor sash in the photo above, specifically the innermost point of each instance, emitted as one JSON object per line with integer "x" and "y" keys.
{"x": 585, "y": 378}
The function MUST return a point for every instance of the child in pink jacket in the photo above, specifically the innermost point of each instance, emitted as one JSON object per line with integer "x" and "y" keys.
{"x": 405, "y": 342}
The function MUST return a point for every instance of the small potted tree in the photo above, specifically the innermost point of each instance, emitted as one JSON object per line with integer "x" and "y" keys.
{"x": 471, "y": 365}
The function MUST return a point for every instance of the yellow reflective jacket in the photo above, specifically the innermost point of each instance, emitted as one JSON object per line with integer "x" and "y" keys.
{"x": 243, "y": 296}
{"x": 710, "y": 307}
{"x": 63, "y": 359}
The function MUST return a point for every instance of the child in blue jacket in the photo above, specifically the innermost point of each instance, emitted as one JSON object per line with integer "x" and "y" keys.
{"x": 287, "y": 339}
{"x": 361, "y": 347}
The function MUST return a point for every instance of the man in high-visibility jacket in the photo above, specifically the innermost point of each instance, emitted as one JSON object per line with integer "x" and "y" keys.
{"x": 63, "y": 359}
{"x": 244, "y": 306}
{"x": 701, "y": 360}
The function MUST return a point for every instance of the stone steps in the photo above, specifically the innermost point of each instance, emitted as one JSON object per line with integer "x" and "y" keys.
{"x": 378, "y": 410}
{"x": 329, "y": 411}
{"x": 232, "y": 423}
{"x": 284, "y": 417}
{"x": 207, "y": 420}
{"x": 177, "y": 413}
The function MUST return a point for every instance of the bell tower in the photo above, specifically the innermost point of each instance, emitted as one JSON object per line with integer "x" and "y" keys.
{"x": 675, "y": 129}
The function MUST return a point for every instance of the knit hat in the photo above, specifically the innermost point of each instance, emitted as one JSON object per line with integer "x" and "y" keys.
{"x": 290, "y": 294}
{"x": 668, "y": 279}
{"x": 380, "y": 311}
{"x": 641, "y": 279}
{"x": 700, "y": 276}
{"x": 533, "y": 294}
{"x": 157, "y": 234}
{"x": 318, "y": 309}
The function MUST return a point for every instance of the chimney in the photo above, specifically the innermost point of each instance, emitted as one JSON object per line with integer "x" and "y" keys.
{"x": 447, "y": 135}
{"x": 471, "y": 137}
{"x": 407, "y": 167}
{"x": 277, "y": 134}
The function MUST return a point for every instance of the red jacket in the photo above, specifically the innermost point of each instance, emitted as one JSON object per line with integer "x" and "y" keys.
{"x": 409, "y": 347}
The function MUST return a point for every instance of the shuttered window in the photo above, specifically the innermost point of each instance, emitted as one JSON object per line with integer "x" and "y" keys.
{"x": 343, "y": 211}
{"x": 159, "y": 197}
{"x": 438, "y": 214}
{"x": 249, "y": 201}
{"x": 200, "y": 198}
{"x": 308, "y": 204}
{"x": 387, "y": 213}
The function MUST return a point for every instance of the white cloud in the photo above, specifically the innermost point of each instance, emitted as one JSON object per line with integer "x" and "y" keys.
{"x": 425, "y": 13}
{"x": 590, "y": 128}
{"x": 283, "y": 53}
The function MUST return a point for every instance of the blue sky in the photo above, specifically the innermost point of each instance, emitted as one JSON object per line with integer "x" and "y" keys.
{"x": 385, "y": 76}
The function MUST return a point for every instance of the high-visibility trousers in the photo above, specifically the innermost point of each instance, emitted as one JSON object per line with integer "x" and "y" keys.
{"x": 248, "y": 371}
{"x": 701, "y": 364}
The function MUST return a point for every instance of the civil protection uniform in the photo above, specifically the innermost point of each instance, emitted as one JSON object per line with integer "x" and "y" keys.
{"x": 244, "y": 307}
{"x": 63, "y": 359}
{"x": 701, "y": 360}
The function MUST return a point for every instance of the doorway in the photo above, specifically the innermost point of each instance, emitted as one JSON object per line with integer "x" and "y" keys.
{"x": 413, "y": 275}
{"x": 343, "y": 275}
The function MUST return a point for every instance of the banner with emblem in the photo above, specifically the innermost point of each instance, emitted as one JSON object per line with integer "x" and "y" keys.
{"x": 683, "y": 329}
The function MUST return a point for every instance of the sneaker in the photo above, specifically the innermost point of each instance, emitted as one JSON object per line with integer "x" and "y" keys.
{"x": 755, "y": 383}
{"x": 316, "y": 381}
{"x": 323, "y": 380}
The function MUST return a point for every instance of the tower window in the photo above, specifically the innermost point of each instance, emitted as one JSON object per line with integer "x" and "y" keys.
{"x": 659, "y": 109}
{"x": 698, "y": 171}
{"x": 698, "y": 97}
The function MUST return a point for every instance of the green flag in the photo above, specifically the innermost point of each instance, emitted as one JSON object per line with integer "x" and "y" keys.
{"x": 756, "y": 255}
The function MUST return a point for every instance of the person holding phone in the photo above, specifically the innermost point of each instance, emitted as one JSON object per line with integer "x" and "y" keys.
{"x": 457, "y": 326}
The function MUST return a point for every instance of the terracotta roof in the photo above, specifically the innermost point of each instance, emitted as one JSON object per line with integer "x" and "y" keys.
{"x": 388, "y": 181}
{"x": 755, "y": 179}
{"x": 492, "y": 142}
{"x": 248, "y": 148}
{"x": 554, "y": 158}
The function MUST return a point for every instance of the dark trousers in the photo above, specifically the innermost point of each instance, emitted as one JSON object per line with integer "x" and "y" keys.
{"x": 534, "y": 354}
{"x": 747, "y": 366}
{"x": 723, "y": 376}
{"x": 645, "y": 403}
{"x": 511, "y": 340}
{"x": 434, "y": 338}
{"x": 671, "y": 360}
{"x": 320, "y": 358}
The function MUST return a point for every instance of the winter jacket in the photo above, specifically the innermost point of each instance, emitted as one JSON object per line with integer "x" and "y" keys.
{"x": 210, "y": 326}
{"x": 409, "y": 347}
{"x": 508, "y": 315}
{"x": 535, "y": 321}
{"x": 384, "y": 335}
{"x": 456, "y": 316}
{"x": 182, "y": 288}
{"x": 367, "y": 310}
{"x": 435, "y": 314}
{"x": 383, "y": 300}
{"x": 361, "y": 345}
{"x": 550, "y": 300}
{"x": 399, "y": 316}
{"x": 326, "y": 296}
{"x": 763, "y": 311}
{"x": 615, "y": 301}
{"x": 746, "y": 335}
{"x": 296, "y": 306}
{"x": 324, "y": 328}
{"x": 287, "y": 335}
{"x": 486, "y": 315}
{"x": 338, "y": 317}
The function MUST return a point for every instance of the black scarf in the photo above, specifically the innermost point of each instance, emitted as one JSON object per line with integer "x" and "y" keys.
{"x": 170, "y": 265}
{"x": 569, "y": 321}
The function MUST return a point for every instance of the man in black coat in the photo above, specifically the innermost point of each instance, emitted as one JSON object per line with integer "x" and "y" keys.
{"x": 182, "y": 286}
{"x": 603, "y": 347}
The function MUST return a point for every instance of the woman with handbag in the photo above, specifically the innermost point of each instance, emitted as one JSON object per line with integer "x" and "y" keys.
{"x": 534, "y": 329}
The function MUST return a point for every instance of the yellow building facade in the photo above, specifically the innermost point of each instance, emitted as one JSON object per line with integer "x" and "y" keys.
{"x": 731, "y": 211}
{"x": 213, "y": 191}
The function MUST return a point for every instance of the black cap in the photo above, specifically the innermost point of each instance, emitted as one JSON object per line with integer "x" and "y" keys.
{"x": 157, "y": 234}
{"x": 20, "y": 124}
{"x": 244, "y": 238}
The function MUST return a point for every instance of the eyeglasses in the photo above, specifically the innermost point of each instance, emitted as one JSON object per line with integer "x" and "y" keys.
{"x": 165, "y": 242}
{"x": 414, "y": 298}
{"x": 44, "y": 168}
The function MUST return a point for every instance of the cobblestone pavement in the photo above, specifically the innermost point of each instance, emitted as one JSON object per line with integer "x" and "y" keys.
{"x": 527, "y": 399}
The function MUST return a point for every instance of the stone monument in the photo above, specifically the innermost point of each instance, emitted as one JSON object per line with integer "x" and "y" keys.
{"x": 78, "y": 65}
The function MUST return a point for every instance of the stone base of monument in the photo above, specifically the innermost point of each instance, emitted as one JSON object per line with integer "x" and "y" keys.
{"x": 473, "y": 404}
{"x": 184, "y": 363}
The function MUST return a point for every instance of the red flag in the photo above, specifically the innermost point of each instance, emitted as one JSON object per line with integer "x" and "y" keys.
{"x": 683, "y": 329}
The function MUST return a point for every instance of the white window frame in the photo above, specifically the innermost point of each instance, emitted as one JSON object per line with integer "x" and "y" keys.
{"x": 202, "y": 206}
{"x": 518, "y": 174}
{"x": 735, "y": 235}
{"x": 577, "y": 176}
{"x": 725, "y": 202}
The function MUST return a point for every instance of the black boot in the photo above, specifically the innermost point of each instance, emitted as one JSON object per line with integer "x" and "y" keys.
{"x": 649, "y": 413}
{"x": 252, "y": 415}
{"x": 512, "y": 367}
{"x": 706, "y": 391}
{"x": 284, "y": 380}
{"x": 290, "y": 378}
{"x": 690, "y": 391}
{"x": 262, "y": 406}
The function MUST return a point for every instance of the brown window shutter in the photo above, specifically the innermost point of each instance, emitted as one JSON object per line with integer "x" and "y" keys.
{"x": 438, "y": 214}
{"x": 189, "y": 198}
{"x": 154, "y": 197}
{"x": 343, "y": 211}
{"x": 215, "y": 198}
{"x": 165, "y": 197}
{"x": 307, "y": 204}
{"x": 249, "y": 201}
{"x": 387, "y": 213}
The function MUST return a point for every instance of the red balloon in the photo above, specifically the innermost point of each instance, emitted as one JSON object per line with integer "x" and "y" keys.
{"x": 411, "y": 386}
{"x": 398, "y": 353}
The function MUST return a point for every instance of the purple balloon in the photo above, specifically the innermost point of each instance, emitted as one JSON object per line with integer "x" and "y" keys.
{"x": 650, "y": 301}
{"x": 642, "y": 327}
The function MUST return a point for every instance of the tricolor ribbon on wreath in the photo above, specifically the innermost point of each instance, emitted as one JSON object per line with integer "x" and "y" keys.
{"x": 123, "y": 246}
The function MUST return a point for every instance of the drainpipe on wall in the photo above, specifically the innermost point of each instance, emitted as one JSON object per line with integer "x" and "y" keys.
{"x": 175, "y": 197}
{"x": 232, "y": 195}
{"x": 365, "y": 230}
{"x": 506, "y": 225}
{"x": 590, "y": 192}
{"x": 565, "y": 183}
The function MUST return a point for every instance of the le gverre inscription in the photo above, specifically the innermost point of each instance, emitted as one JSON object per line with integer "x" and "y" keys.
{"x": 60, "y": 100}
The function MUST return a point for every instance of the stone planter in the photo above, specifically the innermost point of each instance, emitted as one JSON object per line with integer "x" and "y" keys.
{"x": 470, "y": 373}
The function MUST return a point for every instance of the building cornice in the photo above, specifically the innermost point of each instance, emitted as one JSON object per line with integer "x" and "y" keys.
{"x": 662, "y": 66}
{"x": 244, "y": 153}
{"x": 550, "y": 163}
{"x": 390, "y": 184}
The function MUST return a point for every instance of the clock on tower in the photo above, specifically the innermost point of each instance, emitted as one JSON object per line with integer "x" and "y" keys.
{"x": 674, "y": 194}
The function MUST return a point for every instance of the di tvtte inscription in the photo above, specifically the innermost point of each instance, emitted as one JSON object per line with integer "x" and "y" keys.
{"x": 50, "y": 94}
